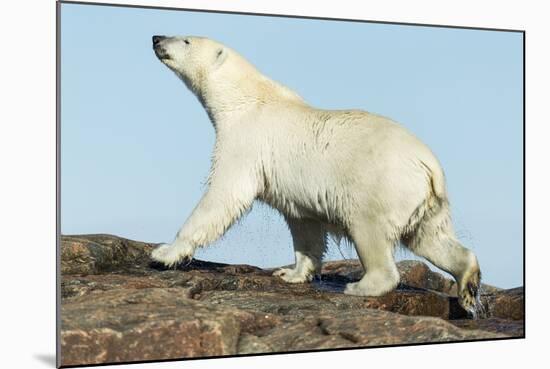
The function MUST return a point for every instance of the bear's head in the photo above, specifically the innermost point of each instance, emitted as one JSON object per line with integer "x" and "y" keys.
{"x": 224, "y": 81}
{"x": 194, "y": 59}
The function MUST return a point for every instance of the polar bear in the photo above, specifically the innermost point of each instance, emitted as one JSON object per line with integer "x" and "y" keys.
{"x": 347, "y": 173}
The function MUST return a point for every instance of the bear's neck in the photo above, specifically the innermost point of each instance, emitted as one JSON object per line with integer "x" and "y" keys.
{"x": 228, "y": 100}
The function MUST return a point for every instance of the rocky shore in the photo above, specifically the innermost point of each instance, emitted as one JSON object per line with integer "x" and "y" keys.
{"x": 118, "y": 307}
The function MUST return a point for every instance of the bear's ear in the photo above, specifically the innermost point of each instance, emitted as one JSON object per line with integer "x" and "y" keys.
{"x": 221, "y": 55}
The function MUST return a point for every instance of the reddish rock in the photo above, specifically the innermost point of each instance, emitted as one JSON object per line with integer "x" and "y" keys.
{"x": 417, "y": 274}
{"x": 146, "y": 324}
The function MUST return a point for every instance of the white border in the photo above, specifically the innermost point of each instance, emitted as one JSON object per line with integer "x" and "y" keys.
{"x": 27, "y": 187}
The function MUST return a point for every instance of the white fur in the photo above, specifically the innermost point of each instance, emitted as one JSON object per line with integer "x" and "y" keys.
{"x": 349, "y": 173}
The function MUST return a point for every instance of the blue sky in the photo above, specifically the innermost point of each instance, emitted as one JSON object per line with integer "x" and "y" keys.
{"x": 136, "y": 144}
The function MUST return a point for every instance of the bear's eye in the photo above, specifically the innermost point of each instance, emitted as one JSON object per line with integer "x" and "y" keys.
{"x": 186, "y": 41}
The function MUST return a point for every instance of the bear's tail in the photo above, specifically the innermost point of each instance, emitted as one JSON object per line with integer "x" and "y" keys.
{"x": 437, "y": 179}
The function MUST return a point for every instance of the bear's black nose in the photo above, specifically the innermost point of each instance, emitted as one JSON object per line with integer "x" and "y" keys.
{"x": 157, "y": 39}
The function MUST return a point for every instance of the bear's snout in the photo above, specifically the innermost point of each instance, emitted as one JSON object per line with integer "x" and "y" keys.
{"x": 157, "y": 39}
{"x": 160, "y": 51}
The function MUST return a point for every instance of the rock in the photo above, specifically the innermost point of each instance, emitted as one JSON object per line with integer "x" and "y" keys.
{"x": 511, "y": 328}
{"x": 507, "y": 304}
{"x": 350, "y": 269}
{"x": 358, "y": 328}
{"x": 94, "y": 254}
{"x": 118, "y": 307}
{"x": 417, "y": 274}
{"x": 377, "y": 328}
{"x": 146, "y": 324}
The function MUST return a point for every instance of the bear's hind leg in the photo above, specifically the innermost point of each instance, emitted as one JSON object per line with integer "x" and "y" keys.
{"x": 309, "y": 238}
{"x": 436, "y": 241}
{"x": 375, "y": 251}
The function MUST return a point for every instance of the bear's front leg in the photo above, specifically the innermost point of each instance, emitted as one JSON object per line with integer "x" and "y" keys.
{"x": 309, "y": 238}
{"x": 224, "y": 202}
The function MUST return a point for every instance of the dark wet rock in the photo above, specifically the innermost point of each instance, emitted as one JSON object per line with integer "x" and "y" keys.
{"x": 117, "y": 306}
